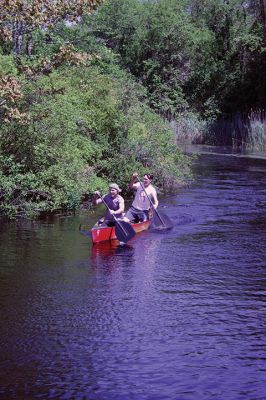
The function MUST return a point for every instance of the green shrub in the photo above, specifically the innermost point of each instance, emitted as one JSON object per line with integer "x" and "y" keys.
{"x": 86, "y": 128}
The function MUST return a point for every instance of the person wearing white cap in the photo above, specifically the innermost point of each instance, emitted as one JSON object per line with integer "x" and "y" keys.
{"x": 114, "y": 201}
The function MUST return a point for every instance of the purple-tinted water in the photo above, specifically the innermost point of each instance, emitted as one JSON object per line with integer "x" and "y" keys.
{"x": 170, "y": 316}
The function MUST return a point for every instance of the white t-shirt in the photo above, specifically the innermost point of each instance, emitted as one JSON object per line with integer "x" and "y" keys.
{"x": 141, "y": 202}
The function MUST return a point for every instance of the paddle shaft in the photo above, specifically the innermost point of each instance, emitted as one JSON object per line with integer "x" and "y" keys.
{"x": 151, "y": 203}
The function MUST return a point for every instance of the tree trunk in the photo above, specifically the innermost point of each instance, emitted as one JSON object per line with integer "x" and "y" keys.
{"x": 17, "y": 38}
{"x": 263, "y": 15}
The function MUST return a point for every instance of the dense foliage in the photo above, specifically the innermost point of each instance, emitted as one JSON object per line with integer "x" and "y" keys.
{"x": 20, "y": 18}
{"x": 72, "y": 120}
{"x": 79, "y": 91}
{"x": 207, "y": 56}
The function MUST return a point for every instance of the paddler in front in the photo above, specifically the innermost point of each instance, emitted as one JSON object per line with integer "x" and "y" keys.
{"x": 115, "y": 203}
{"x": 139, "y": 210}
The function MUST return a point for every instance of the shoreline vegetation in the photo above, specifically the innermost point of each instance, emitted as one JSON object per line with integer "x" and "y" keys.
{"x": 92, "y": 91}
{"x": 240, "y": 131}
{"x": 87, "y": 128}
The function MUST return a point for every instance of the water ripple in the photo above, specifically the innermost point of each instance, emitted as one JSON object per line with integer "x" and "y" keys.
{"x": 176, "y": 316}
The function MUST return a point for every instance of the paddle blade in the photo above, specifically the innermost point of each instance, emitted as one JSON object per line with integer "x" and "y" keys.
{"x": 161, "y": 221}
{"x": 124, "y": 231}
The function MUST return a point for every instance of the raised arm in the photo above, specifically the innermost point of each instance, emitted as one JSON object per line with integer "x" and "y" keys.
{"x": 133, "y": 180}
{"x": 97, "y": 198}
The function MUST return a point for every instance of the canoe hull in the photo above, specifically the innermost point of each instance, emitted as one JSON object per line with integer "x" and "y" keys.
{"x": 105, "y": 233}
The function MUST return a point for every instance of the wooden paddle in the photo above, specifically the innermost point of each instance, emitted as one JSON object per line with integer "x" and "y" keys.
{"x": 123, "y": 230}
{"x": 160, "y": 221}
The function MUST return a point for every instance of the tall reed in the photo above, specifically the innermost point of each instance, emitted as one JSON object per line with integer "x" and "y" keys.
{"x": 240, "y": 131}
{"x": 189, "y": 128}
{"x": 257, "y": 131}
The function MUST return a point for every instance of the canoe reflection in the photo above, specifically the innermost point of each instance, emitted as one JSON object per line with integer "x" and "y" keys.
{"x": 105, "y": 250}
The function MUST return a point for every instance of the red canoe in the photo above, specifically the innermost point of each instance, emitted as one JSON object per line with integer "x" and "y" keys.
{"x": 105, "y": 233}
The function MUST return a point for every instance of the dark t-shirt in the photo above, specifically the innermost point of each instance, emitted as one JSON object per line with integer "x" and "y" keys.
{"x": 114, "y": 204}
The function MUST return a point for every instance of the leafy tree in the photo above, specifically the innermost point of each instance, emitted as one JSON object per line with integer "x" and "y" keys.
{"x": 70, "y": 117}
{"x": 239, "y": 34}
{"x": 83, "y": 130}
{"x": 19, "y": 18}
{"x": 207, "y": 55}
{"x": 160, "y": 44}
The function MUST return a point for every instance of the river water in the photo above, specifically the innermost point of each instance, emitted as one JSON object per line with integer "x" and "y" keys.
{"x": 173, "y": 316}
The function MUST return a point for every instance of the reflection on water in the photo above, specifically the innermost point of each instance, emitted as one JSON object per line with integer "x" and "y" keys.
{"x": 109, "y": 249}
{"x": 110, "y": 254}
{"x": 173, "y": 315}
{"x": 224, "y": 151}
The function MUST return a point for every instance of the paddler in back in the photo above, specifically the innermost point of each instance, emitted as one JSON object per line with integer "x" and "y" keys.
{"x": 139, "y": 210}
